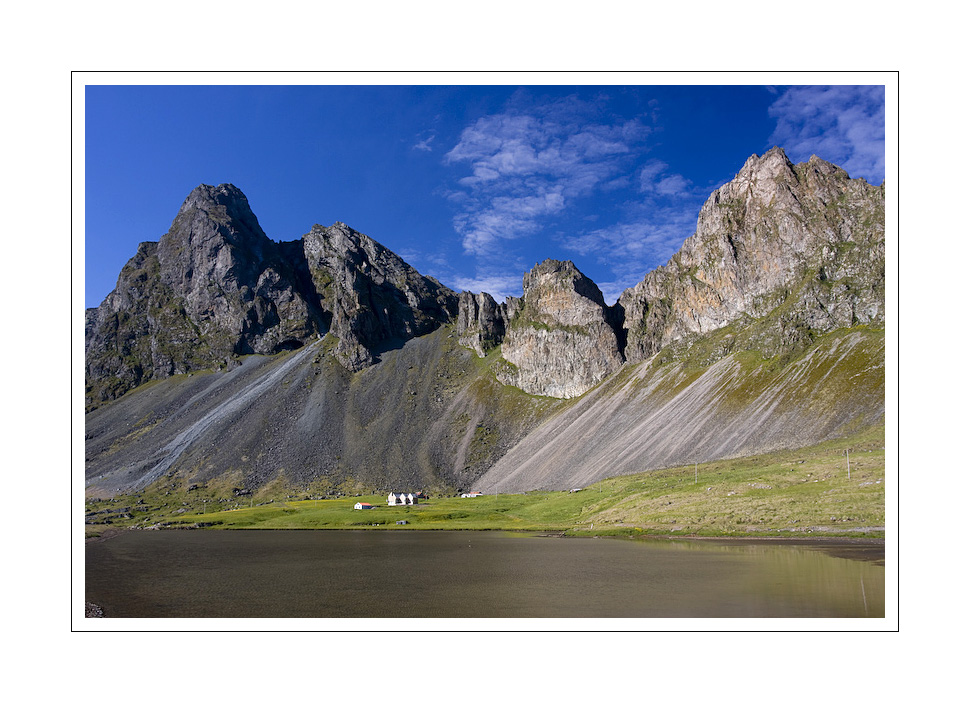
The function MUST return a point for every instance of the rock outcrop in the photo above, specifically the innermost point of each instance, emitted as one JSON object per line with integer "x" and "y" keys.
{"x": 481, "y": 322}
{"x": 559, "y": 341}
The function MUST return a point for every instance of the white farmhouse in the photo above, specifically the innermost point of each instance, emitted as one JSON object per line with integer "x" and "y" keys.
{"x": 402, "y": 498}
{"x": 362, "y": 506}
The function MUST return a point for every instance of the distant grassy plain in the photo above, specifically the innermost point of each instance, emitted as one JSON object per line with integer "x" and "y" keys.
{"x": 792, "y": 493}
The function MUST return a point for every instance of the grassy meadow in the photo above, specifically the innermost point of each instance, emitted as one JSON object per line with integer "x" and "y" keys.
{"x": 798, "y": 493}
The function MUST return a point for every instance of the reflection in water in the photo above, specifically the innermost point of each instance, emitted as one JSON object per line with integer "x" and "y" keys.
{"x": 340, "y": 574}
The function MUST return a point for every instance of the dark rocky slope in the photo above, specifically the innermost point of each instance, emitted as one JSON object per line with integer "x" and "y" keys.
{"x": 430, "y": 415}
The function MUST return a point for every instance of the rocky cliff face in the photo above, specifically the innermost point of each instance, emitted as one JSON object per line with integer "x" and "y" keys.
{"x": 805, "y": 242}
{"x": 215, "y": 287}
{"x": 558, "y": 340}
{"x": 481, "y": 322}
{"x": 371, "y": 297}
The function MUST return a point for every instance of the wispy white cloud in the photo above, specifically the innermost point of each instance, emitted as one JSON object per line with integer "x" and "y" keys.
{"x": 650, "y": 172}
{"x": 425, "y": 143}
{"x": 654, "y": 180}
{"x": 842, "y": 124}
{"x": 529, "y": 165}
{"x": 421, "y": 258}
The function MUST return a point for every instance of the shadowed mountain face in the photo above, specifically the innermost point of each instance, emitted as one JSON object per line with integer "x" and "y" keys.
{"x": 329, "y": 361}
{"x": 215, "y": 287}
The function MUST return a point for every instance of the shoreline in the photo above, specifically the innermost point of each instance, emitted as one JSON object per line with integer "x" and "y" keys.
{"x": 799, "y": 539}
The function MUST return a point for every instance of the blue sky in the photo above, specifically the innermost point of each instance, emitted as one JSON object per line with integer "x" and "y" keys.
{"x": 470, "y": 184}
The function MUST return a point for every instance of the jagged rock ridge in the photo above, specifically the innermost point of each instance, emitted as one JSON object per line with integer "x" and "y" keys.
{"x": 370, "y": 296}
{"x": 215, "y": 287}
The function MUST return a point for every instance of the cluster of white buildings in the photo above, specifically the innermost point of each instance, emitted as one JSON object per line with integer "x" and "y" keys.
{"x": 408, "y": 499}
{"x": 393, "y": 499}
{"x": 403, "y": 498}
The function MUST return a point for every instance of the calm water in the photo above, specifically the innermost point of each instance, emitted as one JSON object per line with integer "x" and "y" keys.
{"x": 343, "y": 574}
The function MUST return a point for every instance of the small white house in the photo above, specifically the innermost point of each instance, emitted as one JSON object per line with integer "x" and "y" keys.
{"x": 402, "y": 498}
{"x": 473, "y": 494}
{"x": 362, "y": 506}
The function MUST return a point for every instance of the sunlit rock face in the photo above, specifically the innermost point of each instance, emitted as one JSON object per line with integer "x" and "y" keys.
{"x": 803, "y": 236}
{"x": 559, "y": 341}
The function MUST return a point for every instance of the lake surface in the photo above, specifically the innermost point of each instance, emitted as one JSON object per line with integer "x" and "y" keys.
{"x": 369, "y": 574}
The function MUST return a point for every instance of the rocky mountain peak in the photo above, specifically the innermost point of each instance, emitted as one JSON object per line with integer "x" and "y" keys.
{"x": 371, "y": 295}
{"x": 216, "y": 287}
{"x": 776, "y": 233}
{"x": 558, "y": 293}
{"x": 559, "y": 341}
{"x": 771, "y": 164}
{"x": 223, "y": 209}
{"x": 222, "y": 195}
{"x": 551, "y": 270}
{"x": 214, "y": 239}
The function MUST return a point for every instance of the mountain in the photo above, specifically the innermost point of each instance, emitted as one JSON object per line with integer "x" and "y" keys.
{"x": 804, "y": 244}
{"x": 330, "y": 365}
{"x": 216, "y": 288}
